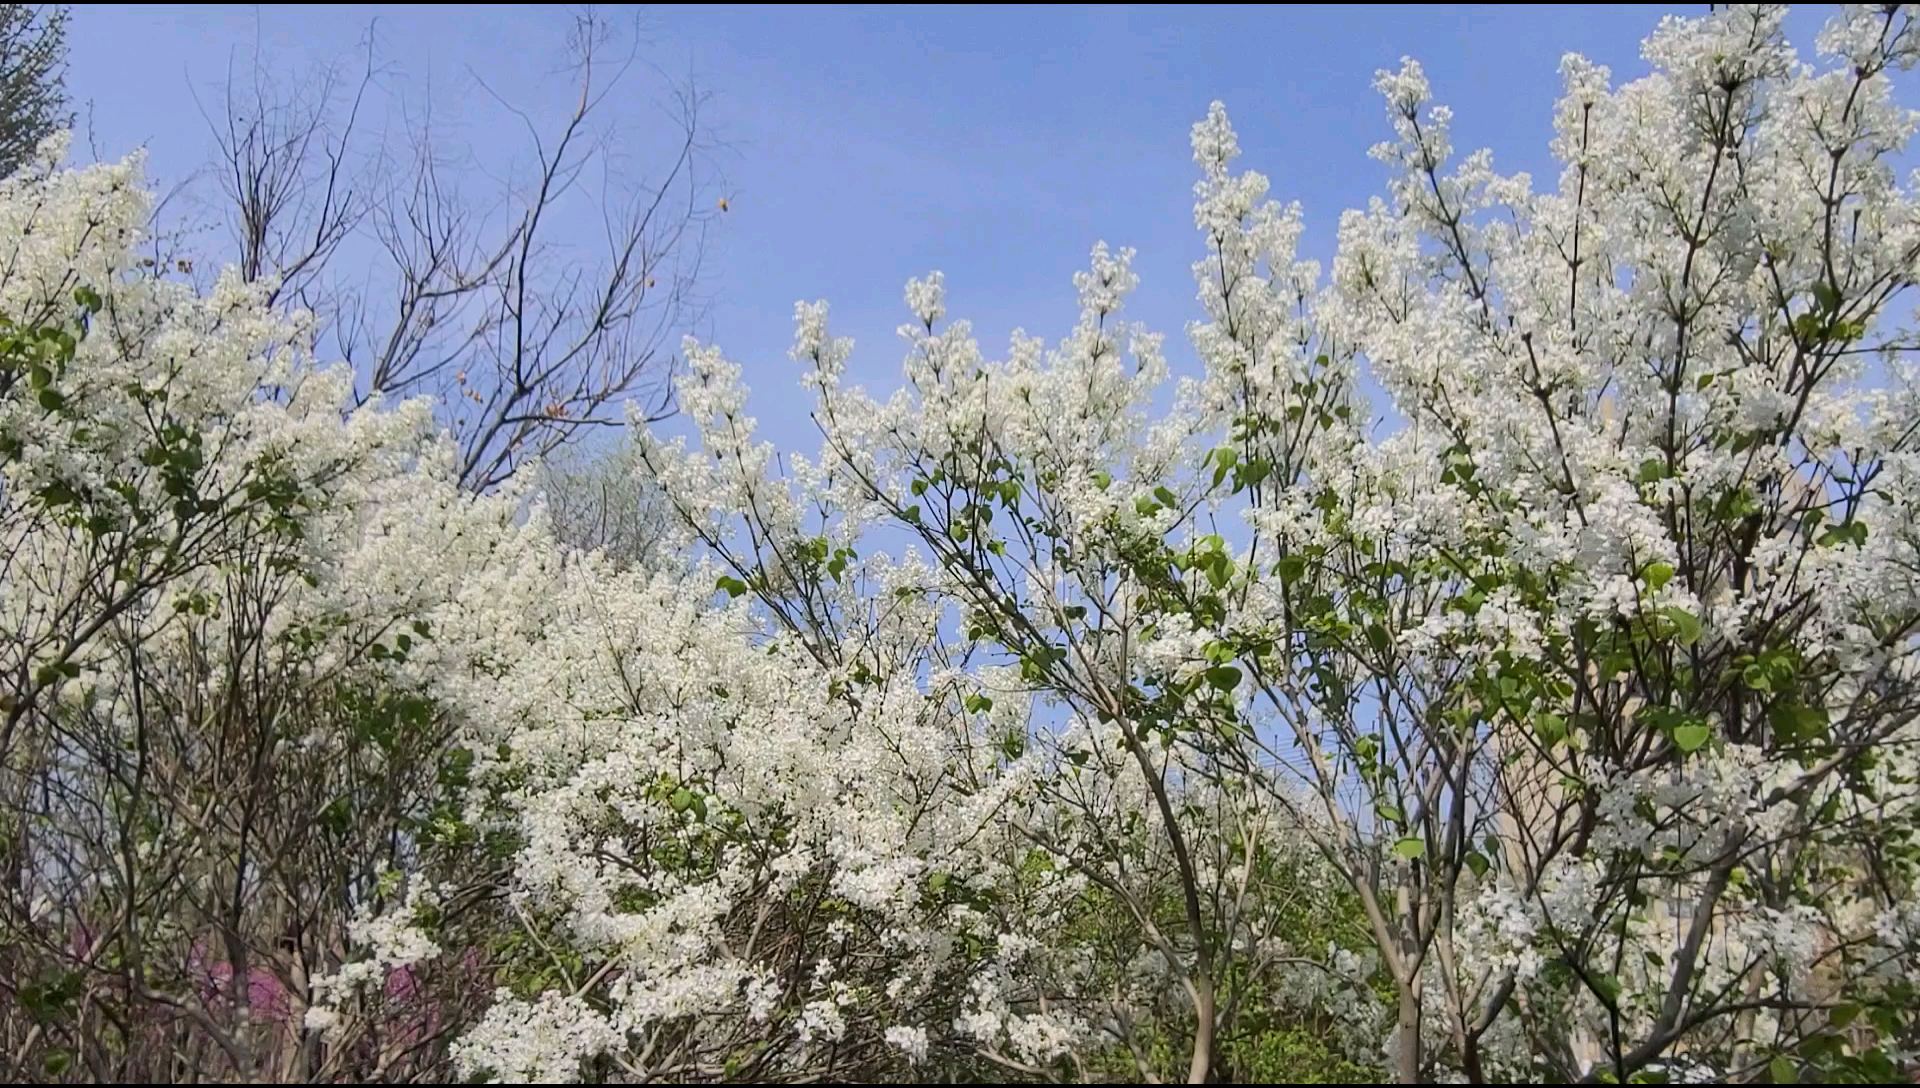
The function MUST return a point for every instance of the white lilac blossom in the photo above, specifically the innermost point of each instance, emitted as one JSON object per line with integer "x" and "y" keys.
{"x": 1571, "y": 688}
{"x": 1566, "y": 672}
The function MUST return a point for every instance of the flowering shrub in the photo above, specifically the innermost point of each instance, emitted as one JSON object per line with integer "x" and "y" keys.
{"x": 1553, "y": 718}
{"x": 1590, "y": 671}
{"x": 216, "y": 748}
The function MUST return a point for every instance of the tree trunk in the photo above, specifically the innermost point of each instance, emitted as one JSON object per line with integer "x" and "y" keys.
{"x": 1202, "y": 1062}
{"x": 1406, "y": 1038}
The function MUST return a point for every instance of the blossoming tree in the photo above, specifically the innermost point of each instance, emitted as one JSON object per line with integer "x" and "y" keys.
{"x": 215, "y": 754}
{"x": 1589, "y": 665}
{"x": 1552, "y": 718}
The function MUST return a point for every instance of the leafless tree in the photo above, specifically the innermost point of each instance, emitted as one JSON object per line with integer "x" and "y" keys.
{"x": 288, "y": 173}
{"x": 528, "y": 338}
{"x": 597, "y": 502}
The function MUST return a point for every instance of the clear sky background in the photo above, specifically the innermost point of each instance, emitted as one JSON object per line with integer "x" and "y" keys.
{"x": 867, "y": 145}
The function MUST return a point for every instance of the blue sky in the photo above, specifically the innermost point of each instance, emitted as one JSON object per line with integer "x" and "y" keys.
{"x": 866, "y": 145}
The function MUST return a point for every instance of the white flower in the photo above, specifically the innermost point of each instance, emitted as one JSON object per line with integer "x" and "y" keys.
{"x": 910, "y": 1041}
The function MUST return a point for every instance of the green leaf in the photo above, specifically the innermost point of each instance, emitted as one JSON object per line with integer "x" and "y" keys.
{"x": 734, "y": 586}
{"x": 1657, "y": 575}
{"x": 1478, "y": 863}
{"x": 1014, "y": 744}
{"x": 1794, "y": 722}
{"x": 1224, "y": 677}
{"x": 682, "y": 799}
{"x": 1291, "y": 568}
{"x": 1552, "y": 728}
{"x": 1847, "y": 532}
{"x": 1223, "y": 461}
{"x": 1378, "y": 638}
{"x": 1827, "y": 295}
{"x": 1410, "y": 848}
{"x": 978, "y": 703}
{"x": 1689, "y": 738}
{"x": 1783, "y": 1070}
{"x": 1219, "y": 569}
{"x": 1686, "y": 625}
